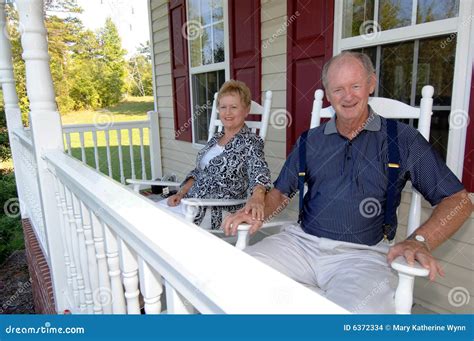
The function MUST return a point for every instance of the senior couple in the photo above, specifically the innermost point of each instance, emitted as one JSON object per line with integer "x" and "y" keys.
{"x": 334, "y": 249}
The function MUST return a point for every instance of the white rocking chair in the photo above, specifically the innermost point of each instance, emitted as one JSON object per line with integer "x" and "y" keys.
{"x": 387, "y": 108}
{"x": 191, "y": 205}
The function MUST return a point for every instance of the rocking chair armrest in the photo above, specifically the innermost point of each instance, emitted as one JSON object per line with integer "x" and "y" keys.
{"x": 400, "y": 264}
{"x": 152, "y": 182}
{"x": 136, "y": 183}
{"x": 212, "y": 202}
{"x": 243, "y": 230}
{"x": 406, "y": 281}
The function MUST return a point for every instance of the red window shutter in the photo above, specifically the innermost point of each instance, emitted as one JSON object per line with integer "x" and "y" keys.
{"x": 245, "y": 42}
{"x": 309, "y": 39}
{"x": 468, "y": 172}
{"x": 180, "y": 71}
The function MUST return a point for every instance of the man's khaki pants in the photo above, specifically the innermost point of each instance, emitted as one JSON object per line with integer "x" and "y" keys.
{"x": 355, "y": 276}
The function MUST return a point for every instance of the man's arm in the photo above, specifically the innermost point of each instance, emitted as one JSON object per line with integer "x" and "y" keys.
{"x": 445, "y": 220}
{"x": 275, "y": 202}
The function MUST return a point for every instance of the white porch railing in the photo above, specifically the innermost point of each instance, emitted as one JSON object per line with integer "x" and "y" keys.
{"x": 123, "y": 151}
{"x": 26, "y": 170}
{"x": 120, "y": 250}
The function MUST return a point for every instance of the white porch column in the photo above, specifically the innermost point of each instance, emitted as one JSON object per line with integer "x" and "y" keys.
{"x": 155, "y": 147}
{"x": 10, "y": 97}
{"x": 46, "y": 131}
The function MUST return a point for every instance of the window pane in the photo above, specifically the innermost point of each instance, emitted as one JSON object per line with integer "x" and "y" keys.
{"x": 431, "y": 10}
{"x": 207, "y": 46}
{"x": 439, "y": 131}
{"x": 195, "y": 47}
{"x": 395, "y": 13}
{"x": 200, "y": 108}
{"x": 396, "y": 71}
{"x": 436, "y": 68}
{"x": 212, "y": 86}
{"x": 355, "y": 13}
{"x": 195, "y": 39}
{"x": 217, "y": 11}
{"x": 193, "y": 11}
{"x": 206, "y": 6}
{"x": 371, "y": 52}
{"x": 218, "y": 42}
{"x": 205, "y": 85}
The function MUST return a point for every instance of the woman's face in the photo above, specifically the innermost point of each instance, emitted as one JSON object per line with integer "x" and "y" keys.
{"x": 232, "y": 112}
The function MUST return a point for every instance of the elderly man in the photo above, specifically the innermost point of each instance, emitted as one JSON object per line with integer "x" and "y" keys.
{"x": 336, "y": 249}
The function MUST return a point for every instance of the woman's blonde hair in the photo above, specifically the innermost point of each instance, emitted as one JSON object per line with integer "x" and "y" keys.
{"x": 236, "y": 88}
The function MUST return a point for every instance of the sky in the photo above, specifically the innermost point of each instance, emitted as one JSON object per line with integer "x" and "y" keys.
{"x": 130, "y": 17}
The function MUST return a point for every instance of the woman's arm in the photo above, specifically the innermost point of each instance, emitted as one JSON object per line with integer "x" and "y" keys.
{"x": 259, "y": 180}
{"x": 175, "y": 199}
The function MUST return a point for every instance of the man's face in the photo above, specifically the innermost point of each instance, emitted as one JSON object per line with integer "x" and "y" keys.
{"x": 349, "y": 88}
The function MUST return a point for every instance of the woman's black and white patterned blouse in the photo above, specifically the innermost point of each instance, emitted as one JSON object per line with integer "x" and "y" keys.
{"x": 233, "y": 174}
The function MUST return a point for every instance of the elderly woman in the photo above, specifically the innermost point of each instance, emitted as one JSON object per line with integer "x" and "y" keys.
{"x": 232, "y": 164}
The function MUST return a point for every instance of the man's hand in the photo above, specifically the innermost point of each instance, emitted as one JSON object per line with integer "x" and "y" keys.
{"x": 232, "y": 221}
{"x": 413, "y": 250}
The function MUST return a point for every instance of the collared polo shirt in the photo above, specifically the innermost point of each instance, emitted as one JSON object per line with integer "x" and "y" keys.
{"x": 347, "y": 179}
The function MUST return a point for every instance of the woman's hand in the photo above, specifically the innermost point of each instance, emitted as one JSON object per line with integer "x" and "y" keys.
{"x": 255, "y": 206}
{"x": 175, "y": 199}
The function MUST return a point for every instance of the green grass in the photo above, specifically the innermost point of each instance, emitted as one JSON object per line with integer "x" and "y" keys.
{"x": 132, "y": 109}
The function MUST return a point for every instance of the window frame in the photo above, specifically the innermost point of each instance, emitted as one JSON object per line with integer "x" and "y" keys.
{"x": 463, "y": 26}
{"x": 225, "y": 65}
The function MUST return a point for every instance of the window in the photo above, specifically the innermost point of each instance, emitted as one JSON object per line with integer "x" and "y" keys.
{"x": 405, "y": 59}
{"x": 204, "y": 86}
{"x": 208, "y": 60}
{"x": 404, "y": 68}
{"x": 365, "y": 16}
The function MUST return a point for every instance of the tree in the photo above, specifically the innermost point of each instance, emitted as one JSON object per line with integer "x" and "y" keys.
{"x": 5, "y": 153}
{"x": 140, "y": 81}
{"x": 112, "y": 65}
{"x": 88, "y": 69}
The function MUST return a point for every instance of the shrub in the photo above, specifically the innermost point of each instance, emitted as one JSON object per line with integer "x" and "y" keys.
{"x": 11, "y": 233}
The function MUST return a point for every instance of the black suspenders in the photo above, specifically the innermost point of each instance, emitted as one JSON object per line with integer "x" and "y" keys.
{"x": 389, "y": 227}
